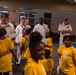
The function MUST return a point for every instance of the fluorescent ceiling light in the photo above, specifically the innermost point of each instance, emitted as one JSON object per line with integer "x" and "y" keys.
{"x": 71, "y": 1}
{"x": 75, "y": 0}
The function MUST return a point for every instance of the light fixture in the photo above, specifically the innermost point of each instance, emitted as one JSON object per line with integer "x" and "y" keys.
{"x": 75, "y": 0}
{"x": 71, "y": 1}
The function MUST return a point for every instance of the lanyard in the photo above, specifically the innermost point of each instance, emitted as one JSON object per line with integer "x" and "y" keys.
{"x": 23, "y": 27}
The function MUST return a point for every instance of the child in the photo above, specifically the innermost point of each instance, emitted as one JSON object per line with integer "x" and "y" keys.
{"x": 33, "y": 66}
{"x": 48, "y": 63}
{"x": 36, "y": 36}
{"x": 24, "y": 43}
{"x": 6, "y": 46}
{"x": 67, "y": 55}
{"x": 49, "y": 43}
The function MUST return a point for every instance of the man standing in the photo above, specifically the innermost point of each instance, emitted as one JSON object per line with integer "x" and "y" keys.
{"x": 42, "y": 28}
{"x": 64, "y": 29}
{"x": 19, "y": 31}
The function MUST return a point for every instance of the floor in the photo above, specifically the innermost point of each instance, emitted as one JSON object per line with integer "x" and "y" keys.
{"x": 17, "y": 71}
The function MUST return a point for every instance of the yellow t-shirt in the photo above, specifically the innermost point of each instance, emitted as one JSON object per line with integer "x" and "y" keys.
{"x": 68, "y": 59}
{"x": 48, "y": 64}
{"x": 27, "y": 54}
{"x": 23, "y": 41}
{"x": 49, "y": 42}
{"x": 34, "y": 68}
{"x": 5, "y": 61}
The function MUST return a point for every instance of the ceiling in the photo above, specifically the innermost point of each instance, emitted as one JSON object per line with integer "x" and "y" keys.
{"x": 54, "y": 1}
{"x": 50, "y": 1}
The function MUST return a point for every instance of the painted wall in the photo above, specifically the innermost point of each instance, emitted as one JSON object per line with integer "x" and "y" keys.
{"x": 58, "y": 17}
{"x": 59, "y": 11}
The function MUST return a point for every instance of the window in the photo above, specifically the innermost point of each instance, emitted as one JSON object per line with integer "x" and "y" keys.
{"x": 47, "y": 15}
{"x": 47, "y": 19}
{"x": 31, "y": 16}
{"x": 4, "y": 9}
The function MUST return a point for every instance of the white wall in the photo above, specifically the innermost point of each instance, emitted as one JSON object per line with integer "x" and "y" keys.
{"x": 59, "y": 11}
{"x": 58, "y": 17}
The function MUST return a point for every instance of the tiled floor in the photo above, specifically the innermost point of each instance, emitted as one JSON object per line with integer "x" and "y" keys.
{"x": 16, "y": 69}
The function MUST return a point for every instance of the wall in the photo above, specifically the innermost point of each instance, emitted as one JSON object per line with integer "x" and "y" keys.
{"x": 59, "y": 11}
{"x": 58, "y": 17}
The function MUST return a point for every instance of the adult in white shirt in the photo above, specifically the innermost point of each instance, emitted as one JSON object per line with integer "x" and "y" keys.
{"x": 19, "y": 32}
{"x": 64, "y": 29}
{"x": 42, "y": 28}
{"x": 27, "y": 24}
{"x": 8, "y": 26}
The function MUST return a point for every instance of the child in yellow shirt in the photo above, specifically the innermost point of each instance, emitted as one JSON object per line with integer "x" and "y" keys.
{"x": 24, "y": 43}
{"x": 67, "y": 55}
{"x": 27, "y": 54}
{"x": 49, "y": 43}
{"x": 48, "y": 63}
{"x": 6, "y": 46}
{"x": 36, "y": 47}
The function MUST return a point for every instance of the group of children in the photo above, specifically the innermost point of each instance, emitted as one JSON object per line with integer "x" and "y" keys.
{"x": 42, "y": 51}
{"x": 36, "y": 55}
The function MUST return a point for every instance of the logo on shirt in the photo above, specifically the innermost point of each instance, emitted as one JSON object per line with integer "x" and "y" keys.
{"x": 65, "y": 54}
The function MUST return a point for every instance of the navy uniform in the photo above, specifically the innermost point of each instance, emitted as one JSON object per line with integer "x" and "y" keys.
{"x": 43, "y": 29}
